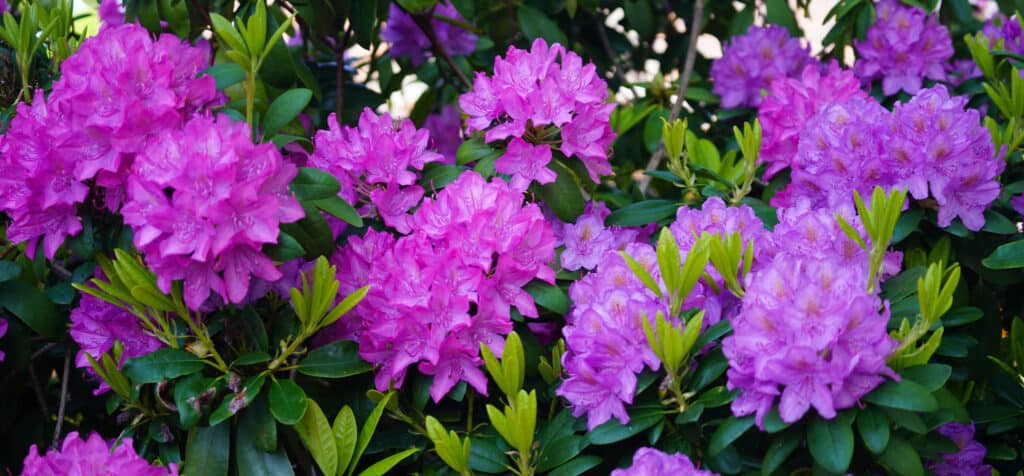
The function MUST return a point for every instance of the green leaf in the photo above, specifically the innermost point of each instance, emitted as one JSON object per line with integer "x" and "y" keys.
{"x": 285, "y": 109}
{"x": 316, "y": 434}
{"x": 831, "y": 443}
{"x": 369, "y": 428}
{"x": 9, "y": 270}
{"x": 563, "y": 195}
{"x": 346, "y": 433}
{"x": 314, "y": 184}
{"x": 779, "y": 13}
{"x": 339, "y": 208}
{"x": 207, "y": 451}
{"x": 535, "y": 24}
{"x": 780, "y": 449}
{"x": 258, "y": 422}
{"x": 253, "y": 461}
{"x": 383, "y": 466}
{"x": 640, "y": 419}
{"x": 287, "y": 401}
{"x": 577, "y": 466}
{"x": 475, "y": 150}
{"x": 901, "y": 458}
{"x": 728, "y": 431}
{"x": 335, "y": 360}
{"x": 931, "y": 376}
{"x": 162, "y": 364}
{"x": 642, "y": 213}
{"x": 1007, "y": 256}
{"x": 548, "y": 296}
{"x": 189, "y": 396}
{"x": 286, "y": 249}
{"x": 559, "y": 451}
{"x": 873, "y": 427}
{"x": 31, "y": 306}
{"x": 251, "y": 358}
{"x": 225, "y": 74}
{"x": 233, "y": 403}
{"x": 903, "y": 395}
{"x": 437, "y": 176}
{"x": 448, "y": 445}
{"x": 226, "y": 32}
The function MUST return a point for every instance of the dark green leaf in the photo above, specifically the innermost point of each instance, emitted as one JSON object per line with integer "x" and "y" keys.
{"x": 577, "y": 466}
{"x": 486, "y": 456}
{"x": 287, "y": 401}
{"x": 901, "y": 458}
{"x": 780, "y": 449}
{"x": 779, "y": 13}
{"x": 162, "y": 364}
{"x": 339, "y": 208}
{"x": 253, "y": 461}
{"x": 997, "y": 223}
{"x": 9, "y": 270}
{"x": 31, "y": 306}
{"x": 728, "y": 431}
{"x": 560, "y": 451}
{"x": 712, "y": 334}
{"x": 475, "y": 150}
{"x": 640, "y": 419}
{"x": 226, "y": 74}
{"x": 286, "y": 249}
{"x": 1007, "y": 256}
{"x": 831, "y": 443}
{"x": 259, "y": 425}
{"x": 873, "y": 427}
{"x": 710, "y": 367}
{"x": 189, "y": 396}
{"x": 642, "y": 213}
{"x": 312, "y": 233}
{"x": 961, "y": 316}
{"x": 535, "y": 24}
{"x": 336, "y": 360}
{"x": 437, "y": 176}
{"x": 250, "y": 358}
{"x": 903, "y": 395}
{"x": 563, "y": 195}
{"x": 907, "y": 224}
{"x": 314, "y": 184}
{"x": 930, "y": 376}
{"x": 550, "y": 297}
{"x": 207, "y": 451}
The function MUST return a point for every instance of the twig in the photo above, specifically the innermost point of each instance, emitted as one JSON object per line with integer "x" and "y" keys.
{"x": 63, "y": 398}
{"x": 684, "y": 82}
{"x": 424, "y": 21}
{"x": 38, "y": 391}
{"x": 339, "y": 74}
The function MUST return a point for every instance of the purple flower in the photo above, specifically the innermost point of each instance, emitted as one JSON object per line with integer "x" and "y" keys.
{"x": 96, "y": 324}
{"x": 111, "y": 13}
{"x": 408, "y": 40}
{"x": 969, "y": 460}
{"x": 93, "y": 457}
{"x": 790, "y": 105}
{"x": 547, "y": 97}
{"x": 752, "y": 61}
{"x": 446, "y": 130}
{"x": 903, "y": 47}
{"x": 446, "y": 286}
{"x": 379, "y": 160}
{"x": 202, "y": 201}
{"x": 1008, "y": 30}
{"x": 3, "y": 332}
{"x": 810, "y": 334}
{"x": 651, "y": 462}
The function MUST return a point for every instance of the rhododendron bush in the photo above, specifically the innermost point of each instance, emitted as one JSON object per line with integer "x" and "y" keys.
{"x": 648, "y": 237}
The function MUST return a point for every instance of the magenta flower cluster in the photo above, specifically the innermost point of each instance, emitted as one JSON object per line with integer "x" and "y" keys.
{"x": 969, "y": 460}
{"x": 933, "y": 145}
{"x": 539, "y": 99}
{"x": 1008, "y": 30}
{"x": 406, "y": 39}
{"x": 96, "y": 324}
{"x": 605, "y": 343}
{"x": 903, "y": 47}
{"x": 652, "y": 462}
{"x": 588, "y": 240}
{"x": 792, "y": 103}
{"x": 92, "y": 126}
{"x": 449, "y": 285}
{"x": 377, "y": 160}
{"x": 445, "y": 129}
{"x": 202, "y": 201}
{"x": 752, "y": 61}
{"x": 91, "y": 457}
{"x": 809, "y": 333}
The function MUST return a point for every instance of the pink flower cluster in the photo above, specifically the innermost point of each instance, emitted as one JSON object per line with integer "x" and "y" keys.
{"x": 605, "y": 343}
{"x": 752, "y": 61}
{"x": 202, "y": 201}
{"x": 538, "y": 99}
{"x": 809, "y": 332}
{"x": 92, "y": 457}
{"x": 790, "y": 105}
{"x": 379, "y": 159}
{"x": 588, "y": 240}
{"x": 96, "y": 324}
{"x": 92, "y": 126}
{"x": 449, "y": 285}
{"x": 408, "y": 40}
{"x": 932, "y": 145}
{"x": 445, "y": 129}
{"x": 651, "y": 462}
{"x": 903, "y": 47}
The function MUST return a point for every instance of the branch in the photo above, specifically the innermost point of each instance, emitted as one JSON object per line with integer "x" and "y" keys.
{"x": 63, "y": 398}
{"x": 684, "y": 82}
{"x": 425, "y": 22}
